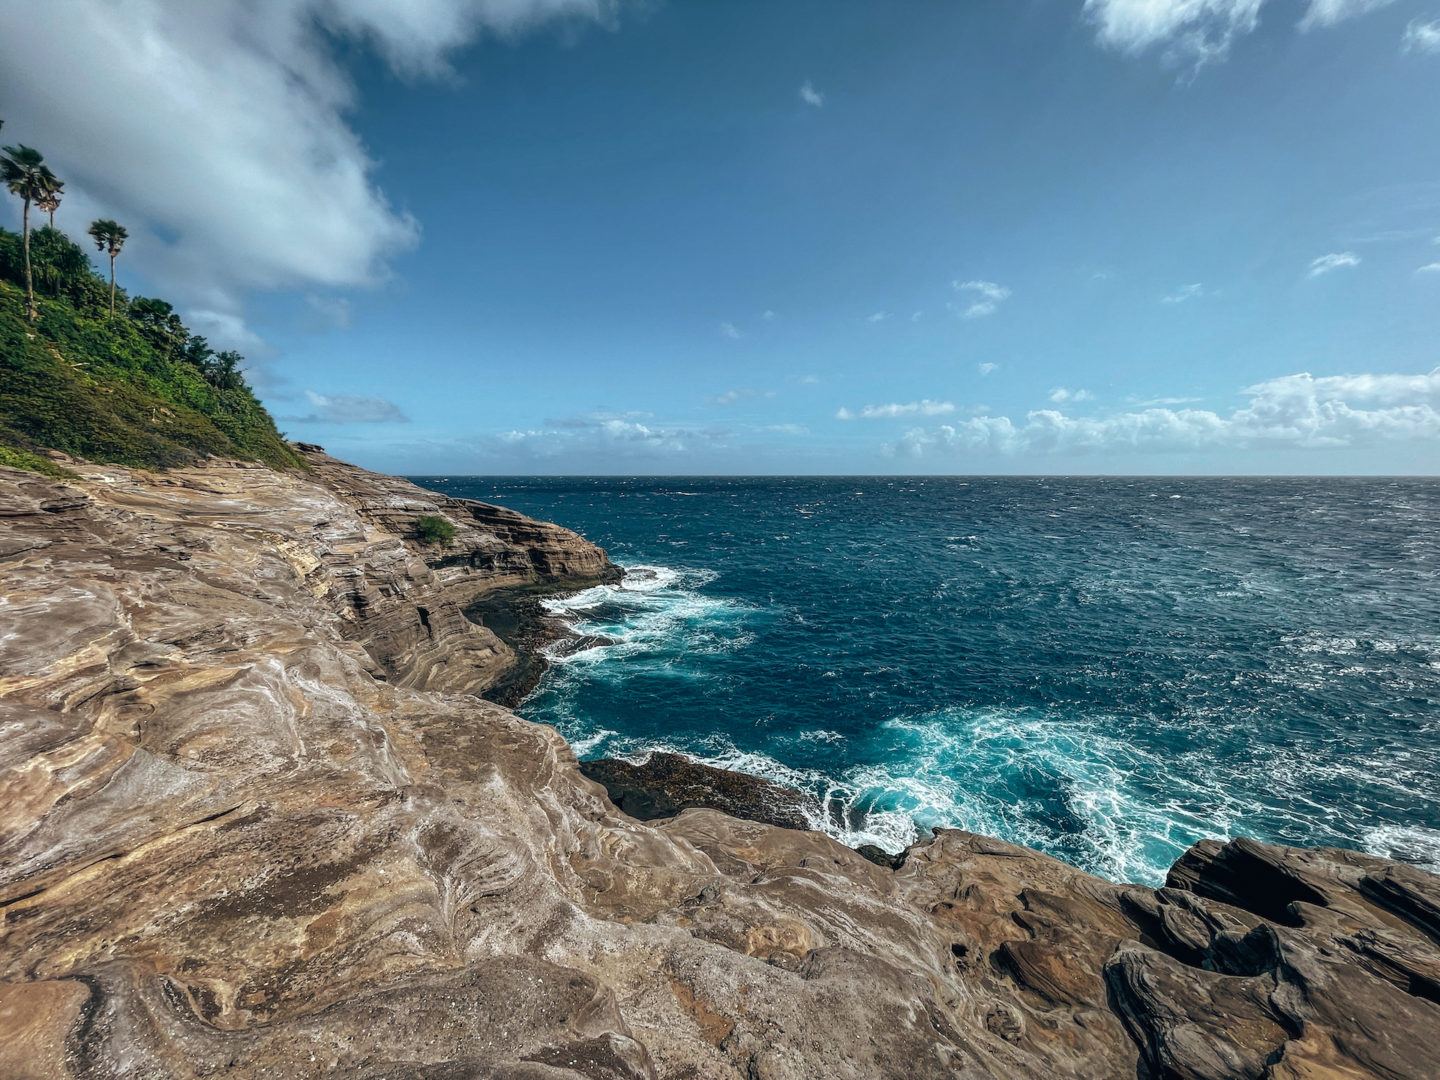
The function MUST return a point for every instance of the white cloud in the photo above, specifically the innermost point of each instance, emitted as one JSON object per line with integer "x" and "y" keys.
{"x": 601, "y": 434}
{"x": 980, "y": 298}
{"x": 730, "y": 397}
{"x": 1060, "y": 395}
{"x": 1184, "y": 293}
{"x": 731, "y": 331}
{"x": 1148, "y": 402}
{"x": 1323, "y": 13}
{"x": 768, "y": 316}
{"x": 891, "y": 412}
{"x": 1198, "y": 29}
{"x": 987, "y": 367}
{"x": 1429, "y": 268}
{"x": 810, "y": 96}
{"x": 1296, "y": 411}
{"x": 809, "y": 380}
{"x": 1421, "y": 36}
{"x": 348, "y": 409}
{"x": 1201, "y": 31}
{"x": 878, "y": 317}
{"x": 1334, "y": 261}
{"x": 218, "y": 132}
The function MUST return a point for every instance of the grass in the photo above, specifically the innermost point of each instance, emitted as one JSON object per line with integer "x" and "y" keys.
{"x": 23, "y": 459}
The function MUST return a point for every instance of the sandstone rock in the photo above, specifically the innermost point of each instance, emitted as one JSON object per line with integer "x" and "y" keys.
{"x": 249, "y": 828}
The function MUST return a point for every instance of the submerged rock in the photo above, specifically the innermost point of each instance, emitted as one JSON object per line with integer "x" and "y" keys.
{"x": 254, "y": 823}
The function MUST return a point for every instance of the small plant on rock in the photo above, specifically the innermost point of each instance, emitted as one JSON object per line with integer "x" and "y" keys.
{"x": 430, "y": 529}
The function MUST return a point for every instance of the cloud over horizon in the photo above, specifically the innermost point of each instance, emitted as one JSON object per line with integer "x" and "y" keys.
{"x": 1291, "y": 411}
{"x": 890, "y": 412}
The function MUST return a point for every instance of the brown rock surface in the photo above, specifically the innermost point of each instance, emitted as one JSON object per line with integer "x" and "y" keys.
{"x": 248, "y": 830}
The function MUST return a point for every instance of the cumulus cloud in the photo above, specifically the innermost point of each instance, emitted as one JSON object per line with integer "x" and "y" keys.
{"x": 1421, "y": 36}
{"x": 987, "y": 367}
{"x": 349, "y": 409}
{"x": 1429, "y": 268}
{"x": 878, "y": 317}
{"x": 810, "y": 96}
{"x": 1200, "y": 31}
{"x": 1059, "y": 395}
{"x": 978, "y": 298}
{"x": 731, "y": 331}
{"x": 1338, "y": 260}
{"x": 1184, "y": 293}
{"x": 218, "y": 132}
{"x": 891, "y": 412}
{"x": 1295, "y": 411}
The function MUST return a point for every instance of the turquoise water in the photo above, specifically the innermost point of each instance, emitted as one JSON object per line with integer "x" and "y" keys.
{"x": 1104, "y": 669}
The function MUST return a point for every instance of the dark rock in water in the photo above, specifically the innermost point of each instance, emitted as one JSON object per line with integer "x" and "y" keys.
{"x": 665, "y": 784}
{"x": 578, "y": 643}
{"x": 880, "y": 857}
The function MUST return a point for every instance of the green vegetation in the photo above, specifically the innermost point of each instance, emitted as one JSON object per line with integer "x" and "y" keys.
{"x": 27, "y": 176}
{"x": 138, "y": 390}
{"x": 22, "y": 459}
{"x": 109, "y": 237}
{"x": 430, "y": 529}
{"x": 122, "y": 382}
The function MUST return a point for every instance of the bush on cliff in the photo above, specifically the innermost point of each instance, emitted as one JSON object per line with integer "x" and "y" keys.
{"x": 430, "y": 529}
{"x": 140, "y": 391}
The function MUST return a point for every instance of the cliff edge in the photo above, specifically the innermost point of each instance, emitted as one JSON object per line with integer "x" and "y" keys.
{"x": 254, "y": 823}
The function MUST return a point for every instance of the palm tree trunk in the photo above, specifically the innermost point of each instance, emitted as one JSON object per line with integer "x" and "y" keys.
{"x": 112, "y": 286}
{"x": 29, "y": 280}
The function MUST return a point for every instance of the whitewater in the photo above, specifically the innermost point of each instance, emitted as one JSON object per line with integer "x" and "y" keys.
{"x": 1103, "y": 669}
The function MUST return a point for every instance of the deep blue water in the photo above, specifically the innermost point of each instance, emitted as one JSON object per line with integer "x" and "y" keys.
{"x": 1106, "y": 668}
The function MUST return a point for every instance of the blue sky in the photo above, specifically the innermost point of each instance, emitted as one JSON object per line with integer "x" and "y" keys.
{"x": 576, "y": 236}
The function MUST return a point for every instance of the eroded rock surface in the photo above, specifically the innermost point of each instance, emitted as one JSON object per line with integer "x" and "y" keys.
{"x": 248, "y": 829}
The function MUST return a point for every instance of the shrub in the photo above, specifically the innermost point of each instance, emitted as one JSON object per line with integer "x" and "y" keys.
{"x": 23, "y": 459}
{"x": 430, "y": 529}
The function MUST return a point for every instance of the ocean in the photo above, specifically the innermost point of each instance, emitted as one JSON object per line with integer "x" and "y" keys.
{"x": 1106, "y": 669}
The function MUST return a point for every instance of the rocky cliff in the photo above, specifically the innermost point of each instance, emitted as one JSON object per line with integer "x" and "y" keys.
{"x": 253, "y": 823}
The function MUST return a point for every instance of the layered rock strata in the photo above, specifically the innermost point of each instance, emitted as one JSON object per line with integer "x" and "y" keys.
{"x": 249, "y": 829}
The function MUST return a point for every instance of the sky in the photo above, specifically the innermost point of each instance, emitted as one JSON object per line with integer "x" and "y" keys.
{"x": 776, "y": 236}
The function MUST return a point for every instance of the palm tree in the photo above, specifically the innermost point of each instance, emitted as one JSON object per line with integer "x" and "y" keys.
{"x": 109, "y": 236}
{"x": 26, "y": 175}
{"x": 50, "y": 201}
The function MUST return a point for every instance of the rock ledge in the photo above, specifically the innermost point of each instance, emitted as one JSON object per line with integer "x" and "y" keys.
{"x": 255, "y": 823}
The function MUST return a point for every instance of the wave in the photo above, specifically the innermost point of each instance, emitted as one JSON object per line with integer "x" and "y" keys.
{"x": 1119, "y": 795}
{"x": 656, "y": 613}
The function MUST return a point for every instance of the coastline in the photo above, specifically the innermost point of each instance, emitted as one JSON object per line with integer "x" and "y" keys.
{"x": 256, "y": 821}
